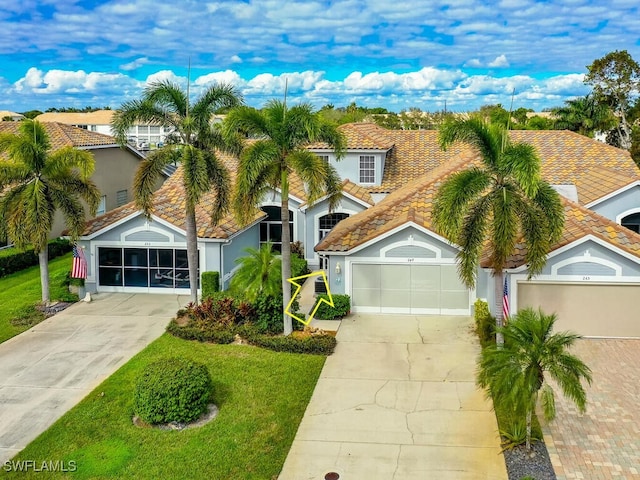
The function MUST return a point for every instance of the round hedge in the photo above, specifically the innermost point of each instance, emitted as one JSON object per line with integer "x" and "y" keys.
{"x": 172, "y": 390}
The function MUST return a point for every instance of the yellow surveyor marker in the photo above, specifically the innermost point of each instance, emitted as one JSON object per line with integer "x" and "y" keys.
{"x": 295, "y": 294}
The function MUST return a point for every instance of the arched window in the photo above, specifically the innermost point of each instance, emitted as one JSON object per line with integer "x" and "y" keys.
{"x": 271, "y": 228}
{"x": 632, "y": 222}
{"x": 327, "y": 222}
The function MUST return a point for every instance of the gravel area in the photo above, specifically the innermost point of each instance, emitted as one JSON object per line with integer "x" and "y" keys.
{"x": 534, "y": 464}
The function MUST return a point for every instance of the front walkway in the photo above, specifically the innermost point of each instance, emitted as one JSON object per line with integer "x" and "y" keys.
{"x": 604, "y": 443}
{"x": 48, "y": 369}
{"x": 397, "y": 400}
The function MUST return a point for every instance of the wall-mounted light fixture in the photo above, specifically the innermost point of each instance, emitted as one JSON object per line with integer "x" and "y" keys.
{"x": 338, "y": 269}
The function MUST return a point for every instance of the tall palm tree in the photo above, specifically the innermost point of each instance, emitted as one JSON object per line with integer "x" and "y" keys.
{"x": 281, "y": 135}
{"x": 584, "y": 115}
{"x": 35, "y": 183}
{"x": 259, "y": 272}
{"x": 515, "y": 374}
{"x": 494, "y": 205}
{"x": 192, "y": 144}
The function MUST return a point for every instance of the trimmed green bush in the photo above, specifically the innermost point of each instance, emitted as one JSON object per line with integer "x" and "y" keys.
{"x": 172, "y": 390}
{"x": 485, "y": 323}
{"x": 210, "y": 283}
{"x": 299, "y": 266}
{"x": 222, "y": 335}
{"x": 315, "y": 344}
{"x": 13, "y": 260}
{"x": 341, "y": 308}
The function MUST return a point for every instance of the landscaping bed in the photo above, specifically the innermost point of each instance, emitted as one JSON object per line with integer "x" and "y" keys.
{"x": 261, "y": 396}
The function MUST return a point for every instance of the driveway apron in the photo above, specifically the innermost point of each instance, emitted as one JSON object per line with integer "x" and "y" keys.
{"x": 48, "y": 369}
{"x": 397, "y": 401}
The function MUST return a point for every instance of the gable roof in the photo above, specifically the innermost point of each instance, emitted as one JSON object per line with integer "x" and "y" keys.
{"x": 98, "y": 117}
{"x": 62, "y": 135}
{"x": 580, "y": 222}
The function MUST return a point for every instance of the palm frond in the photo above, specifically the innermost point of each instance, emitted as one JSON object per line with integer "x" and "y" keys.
{"x": 142, "y": 111}
{"x": 75, "y": 186}
{"x": 67, "y": 158}
{"x": 168, "y": 96}
{"x": 150, "y": 171}
{"x": 548, "y": 200}
{"x": 486, "y": 139}
{"x": 246, "y": 121}
{"x": 220, "y": 182}
{"x": 521, "y": 161}
{"x": 471, "y": 238}
{"x": 504, "y": 232}
{"x": 195, "y": 175}
{"x": 71, "y": 208}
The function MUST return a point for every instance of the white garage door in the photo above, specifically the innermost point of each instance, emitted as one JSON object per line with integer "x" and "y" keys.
{"x": 592, "y": 310}
{"x": 422, "y": 289}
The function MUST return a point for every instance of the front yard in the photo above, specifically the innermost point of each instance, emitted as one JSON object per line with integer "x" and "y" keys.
{"x": 21, "y": 290}
{"x": 261, "y": 395}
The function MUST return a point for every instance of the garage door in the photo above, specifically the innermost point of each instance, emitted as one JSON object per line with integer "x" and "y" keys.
{"x": 592, "y": 310}
{"x": 426, "y": 289}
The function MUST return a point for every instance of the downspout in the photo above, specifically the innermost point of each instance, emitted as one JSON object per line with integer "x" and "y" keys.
{"x": 227, "y": 242}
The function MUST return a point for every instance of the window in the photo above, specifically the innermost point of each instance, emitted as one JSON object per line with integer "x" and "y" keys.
{"x": 324, "y": 157}
{"x": 143, "y": 267}
{"x": 93, "y": 128}
{"x": 632, "y": 222}
{"x": 271, "y": 228}
{"x": 102, "y": 206}
{"x": 367, "y": 169}
{"x": 327, "y": 222}
{"x": 121, "y": 197}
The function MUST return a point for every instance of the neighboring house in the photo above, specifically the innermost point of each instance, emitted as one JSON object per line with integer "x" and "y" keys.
{"x": 115, "y": 167}
{"x": 143, "y": 137}
{"x": 379, "y": 245}
{"x": 6, "y": 115}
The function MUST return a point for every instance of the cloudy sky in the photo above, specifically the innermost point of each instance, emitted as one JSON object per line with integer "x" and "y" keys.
{"x": 395, "y": 54}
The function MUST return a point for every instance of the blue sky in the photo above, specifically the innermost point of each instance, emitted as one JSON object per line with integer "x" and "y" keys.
{"x": 57, "y": 53}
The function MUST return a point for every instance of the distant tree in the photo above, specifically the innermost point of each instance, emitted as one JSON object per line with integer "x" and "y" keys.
{"x": 7, "y": 118}
{"x": 616, "y": 81}
{"x": 495, "y": 114}
{"x": 35, "y": 183}
{"x": 584, "y": 115}
{"x": 521, "y": 116}
{"x": 31, "y": 114}
{"x": 635, "y": 144}
{"x": 388, "y": 120}
{"x": 536, "y": 122}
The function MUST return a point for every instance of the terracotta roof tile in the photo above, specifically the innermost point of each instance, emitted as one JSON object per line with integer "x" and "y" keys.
{"x": 361, "y": 136}
{"x": 99, "y": 117}
{"x": 61, "y": 135}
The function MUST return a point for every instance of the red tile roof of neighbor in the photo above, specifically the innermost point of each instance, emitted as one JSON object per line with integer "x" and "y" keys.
{"x": 61, "y": 135}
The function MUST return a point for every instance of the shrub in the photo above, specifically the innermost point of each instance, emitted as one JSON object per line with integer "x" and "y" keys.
{"x": 268, "y": 314}
{"x": 222, "y": 335}
{"x": 299, "y": 266}
{"x": 210, "y": 283}
{"x": 13, "y": 260}
{"x": 172, "y": 390}
{"x": 342, "y": 307}
{"x": 485, "y": 323}
{"x": 316, "y": 344}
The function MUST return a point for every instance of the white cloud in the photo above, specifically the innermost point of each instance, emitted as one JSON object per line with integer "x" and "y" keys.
{"x": 235, "y": 59}
{"x": 228, "y": 76}
{"x": 473, "y": 63}
{"x": 137, "y": 63}
{"x": 165, "y": 76}
{"x": 500, "y": 61}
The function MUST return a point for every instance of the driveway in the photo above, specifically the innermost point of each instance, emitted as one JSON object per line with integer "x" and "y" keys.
{"x": 48, "y": 369}
{"x": 397, "y": 400}
{"x": 605, "y": 441}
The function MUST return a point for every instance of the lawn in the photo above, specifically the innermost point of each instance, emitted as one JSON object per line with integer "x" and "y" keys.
{"x": 21, "y": 290}
{"x": 261, "y": 394}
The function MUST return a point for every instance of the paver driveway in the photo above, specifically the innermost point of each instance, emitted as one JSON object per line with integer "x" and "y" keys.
{"x": 397, "y": 400}
{"x": 48, "y": 369}
{"x": 604, "y": 443}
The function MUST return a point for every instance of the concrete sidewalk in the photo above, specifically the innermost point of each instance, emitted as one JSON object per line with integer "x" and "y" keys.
{"x": 48, "y": 369}
{"x": 397, "y": 401}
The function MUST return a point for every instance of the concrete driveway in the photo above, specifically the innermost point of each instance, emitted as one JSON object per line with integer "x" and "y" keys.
{"x": 397, "y": 400}
{"x": 48, "y": 369}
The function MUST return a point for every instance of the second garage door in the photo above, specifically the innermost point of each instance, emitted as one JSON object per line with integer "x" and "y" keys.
{"x": 592, "y": 310}
{"x": 421, "y": 289}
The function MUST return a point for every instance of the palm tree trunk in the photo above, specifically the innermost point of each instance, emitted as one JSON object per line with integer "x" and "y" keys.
{"x": 498, "y": 278}
{"x": 286, "y": 251}
{"x": 43, "y": 259}
{"x": 528, "y": 439}
{"x": 192, "y": 251}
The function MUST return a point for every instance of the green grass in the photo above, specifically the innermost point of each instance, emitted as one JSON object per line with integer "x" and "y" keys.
{"x": 261, "y": 394}
{"x": 21, "y": 290}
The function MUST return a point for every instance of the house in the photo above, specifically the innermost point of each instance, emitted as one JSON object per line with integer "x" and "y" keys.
{"x": 7, "y": 115}
{"x": 141, "y": 136}
{"x": 379, "y": 246}
{"x": 115, "y": 167}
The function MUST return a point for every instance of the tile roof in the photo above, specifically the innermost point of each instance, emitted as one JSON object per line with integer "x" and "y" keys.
{"x": 61, "y": 135}
{"x": 579, "y": 222}
{"x": 361, "y": 136}
{"x": 357, "y": 191}
{"x": 99, "y": 117}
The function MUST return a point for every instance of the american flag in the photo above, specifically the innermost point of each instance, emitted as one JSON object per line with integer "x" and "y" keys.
{"x": 505, "y": 301}
{"x": 79, "y": 267}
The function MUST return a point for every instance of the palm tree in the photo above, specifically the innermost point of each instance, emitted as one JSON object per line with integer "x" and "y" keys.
{"x": 259, "y": 272}
{"x": 515, "y": 374}
{"x": 496, "y": 204}
{"x": 192, "y": 144}
{"x": 37, "y": 182}
{"x": 584, "y": 115}
{"x": 281, "y": 135}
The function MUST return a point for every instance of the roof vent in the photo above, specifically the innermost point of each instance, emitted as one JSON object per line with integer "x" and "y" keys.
{"x": 567, "y": 191}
